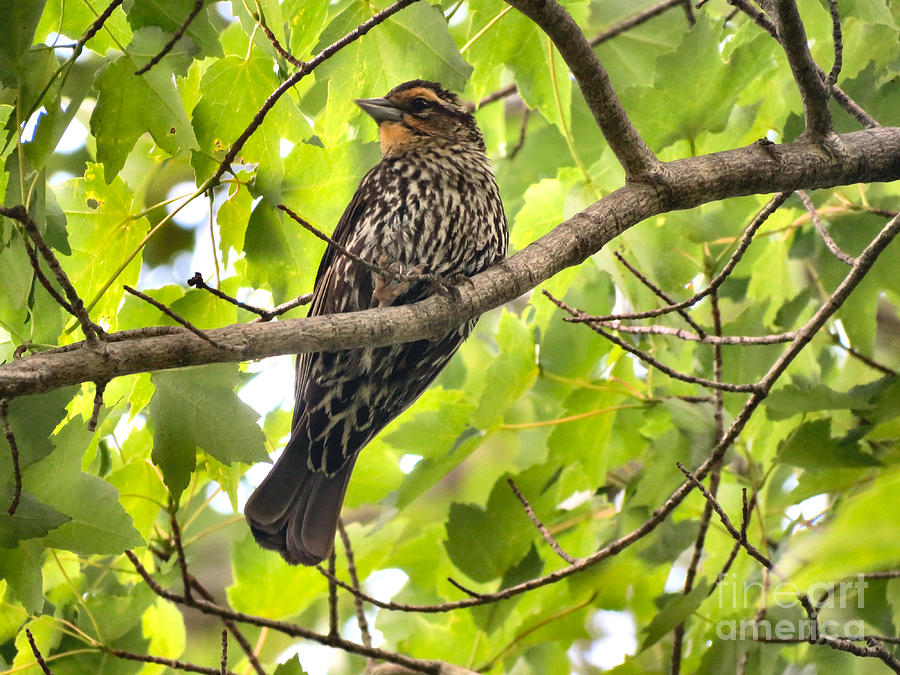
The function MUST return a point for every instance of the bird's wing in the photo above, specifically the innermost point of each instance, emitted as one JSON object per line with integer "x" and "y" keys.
{"x": 340, "y": 285}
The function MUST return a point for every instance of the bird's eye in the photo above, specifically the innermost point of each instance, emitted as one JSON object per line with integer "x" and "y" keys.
{"x": 419, "y": 104}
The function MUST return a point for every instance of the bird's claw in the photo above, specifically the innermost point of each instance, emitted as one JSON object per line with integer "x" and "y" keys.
{"x": 449, "y": 286}
{"x": 390, "y": 284}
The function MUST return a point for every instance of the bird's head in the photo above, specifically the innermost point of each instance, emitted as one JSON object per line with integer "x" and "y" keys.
{"x": 420, "y": 113}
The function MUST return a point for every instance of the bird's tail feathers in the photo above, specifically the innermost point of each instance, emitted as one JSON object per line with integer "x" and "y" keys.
{"x": 295, "y": 511}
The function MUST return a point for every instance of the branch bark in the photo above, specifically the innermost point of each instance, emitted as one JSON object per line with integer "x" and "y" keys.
{"x": 807, "y": 74}
{"x": 632, "y": 152}
{"x": 868, "y": 156}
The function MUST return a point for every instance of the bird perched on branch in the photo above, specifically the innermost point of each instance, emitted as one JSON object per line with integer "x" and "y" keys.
{"x": 430, "y": 207}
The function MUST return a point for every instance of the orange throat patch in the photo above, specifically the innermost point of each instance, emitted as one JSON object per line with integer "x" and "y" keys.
{"x": 394, "y": 137}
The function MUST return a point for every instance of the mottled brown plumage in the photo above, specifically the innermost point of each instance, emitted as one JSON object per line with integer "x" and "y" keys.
{"x": 431, "y": 205}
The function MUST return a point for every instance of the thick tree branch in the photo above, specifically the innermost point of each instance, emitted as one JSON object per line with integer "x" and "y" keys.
{"x": 632, "y": 152}
{"x": 868, "y": 156}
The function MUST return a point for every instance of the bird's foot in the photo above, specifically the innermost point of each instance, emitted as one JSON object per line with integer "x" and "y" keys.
{"x": 391, "y": 284}
{"x": 449, "y": 286}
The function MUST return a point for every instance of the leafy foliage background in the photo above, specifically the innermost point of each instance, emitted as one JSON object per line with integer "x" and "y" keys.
{"x": 590, "y": 436}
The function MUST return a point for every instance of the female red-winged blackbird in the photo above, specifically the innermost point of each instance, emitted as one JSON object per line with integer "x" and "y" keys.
{"x": 431, "y": 205}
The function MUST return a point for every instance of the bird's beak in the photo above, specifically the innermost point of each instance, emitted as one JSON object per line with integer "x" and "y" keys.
{"x": 381, "y": 109}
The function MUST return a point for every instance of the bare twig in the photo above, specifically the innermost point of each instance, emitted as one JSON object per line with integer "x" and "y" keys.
{"x": 285, "y": 54}
{"x": 523, "y": 130}
{"x": 714, "y": 478}
{"x": 197, "y": 282}
{"x": 95, "y": 27}
{"x": 174, "y": 664}
{"x": 37, "y": 653}
{"x": 581, "y": 317}
{"x": 361, "y": 620}
{"x": 304, "y": 299}
{"x": 14, "y": 451}
{"x": 224, "y": 663}
{"x": 332, "y": 598}
{"x": 874, "y": 649}
{"x": 99, "y": 388}
{"x": 284, "y": 627}
{"x": 168, "y": 312}
{"x": 658, "y": 292}
{"x": 467, "y": 591}
{"x": 42, "y": 278}
{"x": 299, "y": 74}
{"x": 545, "y": 533}
{"x": 745, "y": 340}
{"x": 75, "y": 305}
{"x": 820, "y": 228}
{"x": 231, "y": 626}
{"x": 179, "y": 550}
{"x": 745, "y": 241}
{"x": 264, "y": 314}
{"x": 382, "y": 270}
{"x": 371, "y": 266}
{"x": 837, "y": 39}
{"x": 726, "y": 521}
{"x": 198, "y": 5}
{"x": 862, "y": 357}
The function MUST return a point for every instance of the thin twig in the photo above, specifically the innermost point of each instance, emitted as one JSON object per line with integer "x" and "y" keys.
{"x": 289, "y": 629}
{"x": 545, "y": 533}
{"x": 714, "y": 478}
{"x": 197, "y": 282}
{"x": 658, "y": 292}
{"x": 42, "y": 278}
{"x": 37, "y": 653}
{"x": 231, "y": 626}
{"x": 726, "y": 521}
{"x": 361, "y": 620}
{"x": 467, "y": 591}
{"x": 372, "y": 267}
{"x": 168, "y": 312}
{"x": 174, "y": 664}
{"x": 743, "y": 244}
{"x": 285, "y": 54}
{"x": 14, "y": 452}
{"x": 224, "y": 663}
{"x": 861, "y": 357}
{"x": 837, "y": 39}
{"x": 299, "y": 74}
{"x": 332, "y": 598}
{"x": 523, "y": 130}
{"x": 198, "y": 5}
{"x": 581, "y": 317}
{"x": 92, "y": 331}
{"x": 820, "y": 228}
{"x": 717, "y": 340}
{"x": 264, "y": 314}
{"x": 99, "y": 388}
{"x": 179, "y": 549}
{"x": 304, "y": 299}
